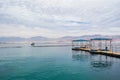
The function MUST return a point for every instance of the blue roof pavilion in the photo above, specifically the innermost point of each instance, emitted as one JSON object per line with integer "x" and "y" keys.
{"x": 101, "y": 39}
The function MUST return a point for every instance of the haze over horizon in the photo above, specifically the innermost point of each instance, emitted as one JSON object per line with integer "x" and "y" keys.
{"x": 58, "y": 18}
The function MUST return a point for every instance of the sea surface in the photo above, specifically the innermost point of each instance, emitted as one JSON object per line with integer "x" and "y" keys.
{"x": 56, "y": 63}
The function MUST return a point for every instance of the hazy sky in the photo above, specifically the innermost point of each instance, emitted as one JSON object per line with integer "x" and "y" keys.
{"x": 56, "y": 18}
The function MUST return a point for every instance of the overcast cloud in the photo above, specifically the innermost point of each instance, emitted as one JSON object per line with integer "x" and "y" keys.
{"x": 57, "y": 18}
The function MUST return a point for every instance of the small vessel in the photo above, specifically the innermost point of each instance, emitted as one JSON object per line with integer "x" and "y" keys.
{"x": 32, "y": 44}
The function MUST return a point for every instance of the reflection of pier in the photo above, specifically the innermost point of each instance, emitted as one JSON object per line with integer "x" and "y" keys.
{"x": 97, "y": 46}
{"x": 101, "y": 62}
{"x": 80, "y": 55}
{"x": 97, "y": 62}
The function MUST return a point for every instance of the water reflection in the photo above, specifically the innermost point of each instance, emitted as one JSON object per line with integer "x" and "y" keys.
{"x": 96, "y": 62}
{"x": 80, "y": 55}
{"x": 101, "y": 62}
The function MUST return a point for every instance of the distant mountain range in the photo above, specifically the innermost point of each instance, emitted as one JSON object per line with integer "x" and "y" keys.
{"x": 65, "y": 38}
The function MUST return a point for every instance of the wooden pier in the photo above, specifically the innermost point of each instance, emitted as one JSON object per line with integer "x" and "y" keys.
{"x": 82, "y": 49}
{"x": 106, "y": 51}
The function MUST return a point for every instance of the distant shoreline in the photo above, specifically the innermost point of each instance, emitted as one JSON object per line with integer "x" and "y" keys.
{"x": 12, "y": 47}
{"x": 52, "y": 46}
{"x": 36, "y": 46}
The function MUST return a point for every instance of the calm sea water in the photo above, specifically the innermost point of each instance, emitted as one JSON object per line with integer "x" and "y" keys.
{"x": 56, "y": 63}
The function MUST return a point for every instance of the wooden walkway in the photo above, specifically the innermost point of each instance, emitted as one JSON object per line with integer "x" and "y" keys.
{"x": 81, "y": 49}
{"x": 108, "y": 53}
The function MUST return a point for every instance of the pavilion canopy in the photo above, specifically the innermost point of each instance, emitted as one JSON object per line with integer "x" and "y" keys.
{"x": 80, "y": 40}
{"x": 101, "y": 39}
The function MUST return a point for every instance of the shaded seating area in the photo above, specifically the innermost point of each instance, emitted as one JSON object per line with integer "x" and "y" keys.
{"x": 101, "y": 44}
{"x": 80, "y": 44}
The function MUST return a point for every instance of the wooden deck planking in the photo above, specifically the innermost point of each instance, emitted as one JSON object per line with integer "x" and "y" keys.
{"x": 108, "y": 53}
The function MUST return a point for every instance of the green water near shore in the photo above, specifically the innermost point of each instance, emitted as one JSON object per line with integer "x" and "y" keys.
{"x": 56, "y": 63}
